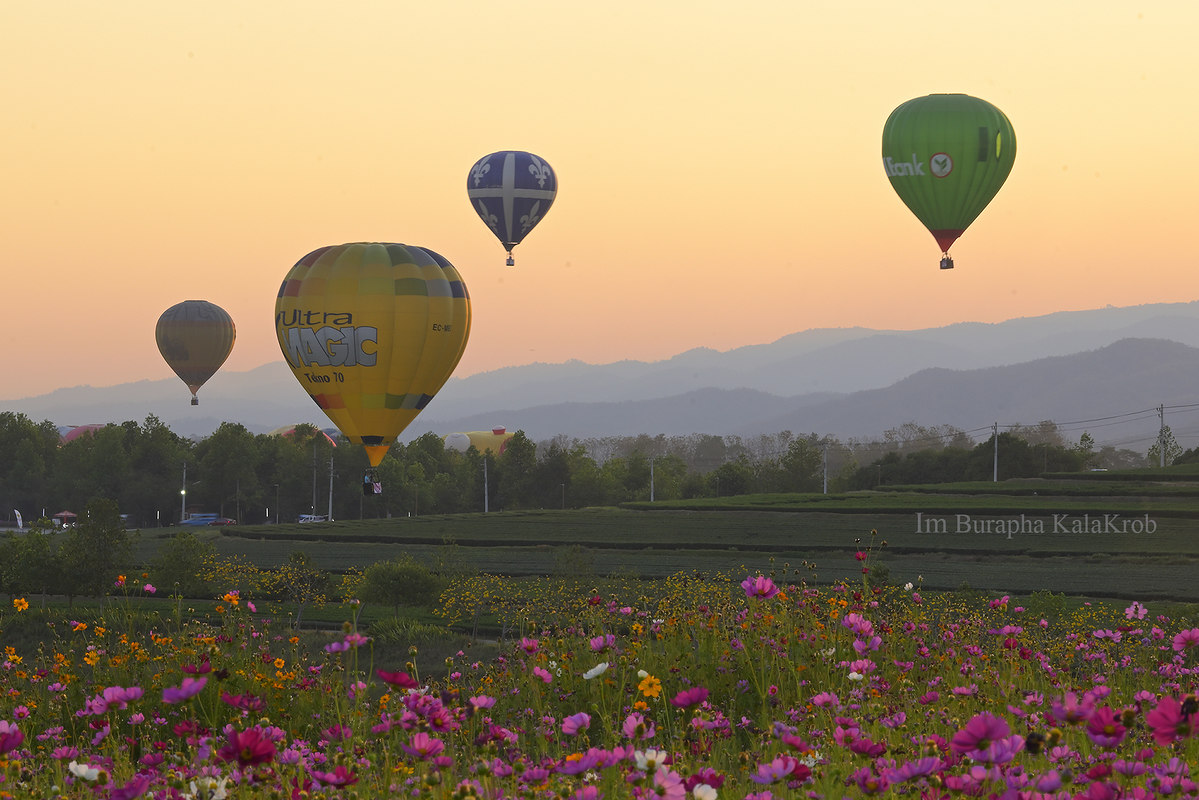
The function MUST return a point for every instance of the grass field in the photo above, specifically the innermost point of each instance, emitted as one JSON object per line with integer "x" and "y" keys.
{"x": 1105, "y": 538}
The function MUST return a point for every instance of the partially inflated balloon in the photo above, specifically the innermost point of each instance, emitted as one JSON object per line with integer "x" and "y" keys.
{"x": 195, "y": 337}
{"x": 372, "y": 331}
{"x": 511, "y": 191}
{"x": 946, "y": 156}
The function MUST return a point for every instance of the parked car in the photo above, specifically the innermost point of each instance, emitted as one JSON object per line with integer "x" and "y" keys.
{"x": 223, "y": 521}
{"x": 201, "y": 519}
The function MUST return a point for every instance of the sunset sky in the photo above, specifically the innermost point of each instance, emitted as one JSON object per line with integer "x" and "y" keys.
{"x": 720, "y": 178}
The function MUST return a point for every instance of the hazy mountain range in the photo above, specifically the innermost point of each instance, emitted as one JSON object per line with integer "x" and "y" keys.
{"x": 1071, "y": 367}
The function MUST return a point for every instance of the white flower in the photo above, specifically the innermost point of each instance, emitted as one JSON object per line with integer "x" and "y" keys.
{"x": 856, "y": 676}
{"x": 642, "y": 673}
{"x": 596, "y": 671}
{"x": 907, "y": 587}
{"x": 650, "y": 760}
{"x": 83, "y": 771}
{"x": 209, "y": 789}
{"x": 703, "y": 791}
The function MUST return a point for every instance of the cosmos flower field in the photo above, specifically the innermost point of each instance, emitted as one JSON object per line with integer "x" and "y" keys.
{"x": 705, "y": 687}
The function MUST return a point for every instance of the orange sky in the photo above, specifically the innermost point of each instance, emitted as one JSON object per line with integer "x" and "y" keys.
{"x": 720, "y": 182}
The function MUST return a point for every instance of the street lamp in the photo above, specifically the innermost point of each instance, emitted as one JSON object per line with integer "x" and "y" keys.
{"x": 562, "y": 486}
{"x": 276, "y": 504}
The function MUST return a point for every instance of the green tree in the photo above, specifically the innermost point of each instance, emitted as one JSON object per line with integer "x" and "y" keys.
{"x": 95, "y": 552}
{"x": 1165, "y": 449}
{"x": 401, "y": 581}
{"x": 179, "y": 566}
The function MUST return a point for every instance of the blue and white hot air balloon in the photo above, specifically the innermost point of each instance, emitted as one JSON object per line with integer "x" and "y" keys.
{"x": 511, "y": 191}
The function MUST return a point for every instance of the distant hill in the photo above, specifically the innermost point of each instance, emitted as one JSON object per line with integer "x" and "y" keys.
{"x": 847, "y": 382}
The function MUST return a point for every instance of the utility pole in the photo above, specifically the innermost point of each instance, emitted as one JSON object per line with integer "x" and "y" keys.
{"x": 182, "y": 495}
{"x": 995, "y": 433}
{"x": 824, "y": 458}
{"x": 651, "y": 479}
{"x": 1161, "y": 436}
{"x": 330, "y": 486}
{"x": 485, "y": 508}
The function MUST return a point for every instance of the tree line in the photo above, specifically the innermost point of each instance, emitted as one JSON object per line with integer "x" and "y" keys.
{"x": 157, "y": 478}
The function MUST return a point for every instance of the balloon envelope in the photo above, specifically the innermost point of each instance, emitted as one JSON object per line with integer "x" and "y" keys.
{"x": 946, "y": 156}
{"x": 195, "y": 337}
{"x": 511, "y": 191}
{"x": 372, "y": 331}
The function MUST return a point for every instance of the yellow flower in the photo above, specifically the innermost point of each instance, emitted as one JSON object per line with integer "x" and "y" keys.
{"x": 650, "y": 686}
{"x": 279, "y": 663}
{"x": 20, "y": 604}
{"x": 92, "y": 658}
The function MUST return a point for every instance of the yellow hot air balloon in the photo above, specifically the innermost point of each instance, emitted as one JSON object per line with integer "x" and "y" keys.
{"x": 372, "y": 331}
{"x": 195, "y": 337}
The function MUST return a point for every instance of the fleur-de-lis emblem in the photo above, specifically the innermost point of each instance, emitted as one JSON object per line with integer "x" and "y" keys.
{"x": 540, "y": 171}
{"x": 527, "y": 221}
{"x": 492, "y": 220}
{"x": 480, "y": 170}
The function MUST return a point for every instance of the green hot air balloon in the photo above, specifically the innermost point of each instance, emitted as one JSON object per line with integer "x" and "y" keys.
{"x": 946, "y": 156}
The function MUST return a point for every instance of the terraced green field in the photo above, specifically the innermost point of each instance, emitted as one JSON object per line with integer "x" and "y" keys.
{"x": 1112, "y": 538}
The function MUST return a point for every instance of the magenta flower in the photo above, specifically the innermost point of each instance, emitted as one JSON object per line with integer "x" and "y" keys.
{"x": 149, "y": 588}
{"x": 690, "y": 697}
{"x": 775, "y": 770}
{"x": 423, "y": 746}
{"x": 576, "y": 723}
{"x": 1168, "y": 722}
{"x": 135, "y": 788}
{"x": 248, "y": 748}
{"x": 979, "y": 734}
{"x": 340, "y": 776}
{"x": 637, "y": 726}
{"x": 1185, "y": 640}
{"x": 761, "y": 587}
{"x": 190, "y": 688}
{"x": 1070, "y": 709}
{"x": 1104, "y": 728}
{"x": 1135, "y": 611}
{"x": 10, "y": 737}
{"x": 400, "y": 679}
{"x": 601, "y": 643}
{"x": 668, "y": 784}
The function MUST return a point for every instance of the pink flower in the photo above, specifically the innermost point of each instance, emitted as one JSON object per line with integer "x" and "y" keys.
{"x": 340, "y": 776}
{"x": 400, "y": 679}
{"x": 576, "y": 723}
{"x": 601, "y": 643}
{"x": 10, "y": 737}
{"x": 637, "y": 727}
{"x": 190, "y": 688}
{"x": 1185, "y": 640}
{"x": 543, "y": 674}
{"x": 1104, "y": 728}
{"x": 668, "y": 784}
{"x": 149, "y": 588}
{"x": 987, "y": 738}
{"x": 761, "y": 587}
{"x": 248, "y": 748}
{"x": 690, "y": 697}
{"x": 1168, "y": 721}
{"x": 424, "y": 746}
{"x": 1135, "y": 611}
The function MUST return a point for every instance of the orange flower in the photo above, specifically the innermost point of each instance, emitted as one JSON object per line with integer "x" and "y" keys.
{"x": 650, "y": 686}
{"x": 20, "y": 604}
